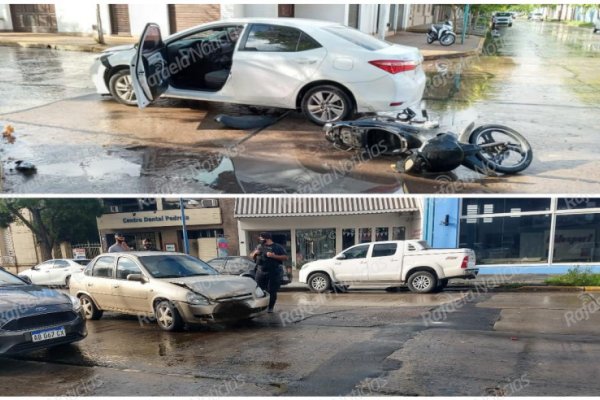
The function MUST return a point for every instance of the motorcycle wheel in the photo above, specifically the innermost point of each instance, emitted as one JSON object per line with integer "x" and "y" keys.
{"x": 430, "y": 39}
{"x": 447, "y": 40}
{"x": 511, "y": 158}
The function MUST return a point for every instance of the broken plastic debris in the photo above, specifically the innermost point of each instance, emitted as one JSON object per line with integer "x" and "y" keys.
{"x": 25, "y": 167}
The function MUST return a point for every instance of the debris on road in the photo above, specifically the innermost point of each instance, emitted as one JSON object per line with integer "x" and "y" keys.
{"x": 7, "y": 133}
{"x": 25, "y": 167}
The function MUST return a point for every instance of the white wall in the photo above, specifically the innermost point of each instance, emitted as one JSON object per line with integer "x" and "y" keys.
{"x": 5, "y": 19}
{"x": 260, "y": 11}
{"x": 327, "y": 12}
{"x": 141, "y": 14}
{"x": 230, "y": 10}
{"x": 80, "y": 17}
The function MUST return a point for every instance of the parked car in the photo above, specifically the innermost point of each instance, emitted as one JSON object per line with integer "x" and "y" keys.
{"x": 391, "y": 263}
{"x": 242, "y": 266}
{"x": 536, "y": 17}
{"x": 56, "y": 272}
{"x": 502, "y": 19}
{"x": 327, "y": 70}
{"x": 33, "y": 318}
{"x": 172, "y": 287}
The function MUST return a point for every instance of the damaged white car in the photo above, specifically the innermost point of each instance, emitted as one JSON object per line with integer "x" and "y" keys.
{"x": 173, "y": 288}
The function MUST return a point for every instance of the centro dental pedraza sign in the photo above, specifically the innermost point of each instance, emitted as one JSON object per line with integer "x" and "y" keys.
{"x": 161, "y": 218}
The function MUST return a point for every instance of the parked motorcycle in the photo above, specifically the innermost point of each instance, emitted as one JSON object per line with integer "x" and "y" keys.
{"x": 442, "y": 32}
{"x": 487, "y": 149}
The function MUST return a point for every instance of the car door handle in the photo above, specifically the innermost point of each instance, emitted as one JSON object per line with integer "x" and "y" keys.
{"x": 116, "y": 286}
{"x": 305, "y": 61}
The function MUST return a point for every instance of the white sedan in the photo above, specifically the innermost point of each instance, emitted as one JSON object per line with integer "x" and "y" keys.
{"x": 55, "y": 272}
{"x": 327, "y": 70}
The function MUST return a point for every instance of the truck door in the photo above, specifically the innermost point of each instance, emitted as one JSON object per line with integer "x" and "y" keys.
{"x": 385, "y": 263}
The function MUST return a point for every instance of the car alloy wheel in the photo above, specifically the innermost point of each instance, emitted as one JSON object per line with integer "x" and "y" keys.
{"x": 164, "y": 316}
{"x": 124, "y": 88}
{"x": 319, "y": 283}
{"x": 87, "y": 306}
{"x": 326, "y": 106}
{"x": 422, "y": 282}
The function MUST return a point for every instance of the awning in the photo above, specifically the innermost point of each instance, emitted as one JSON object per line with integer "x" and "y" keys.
{"x": 254, "y": 207}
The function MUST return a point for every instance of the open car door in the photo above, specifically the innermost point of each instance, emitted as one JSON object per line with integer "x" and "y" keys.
{"x": 149, "y": 70}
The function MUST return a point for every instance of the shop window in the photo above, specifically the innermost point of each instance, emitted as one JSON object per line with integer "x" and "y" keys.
{"x": 315, "y": 244}
{"x": 578, "y": 203}
{"x": 501, "y": 206}
{"x": 398, "y": 233}
{"x": 507, "y": 240}
{"x": 577, "y": 238}
{"x": 382, "y": 234}
{"x": 365, "y": 235}
{"x": 348, "y": 238}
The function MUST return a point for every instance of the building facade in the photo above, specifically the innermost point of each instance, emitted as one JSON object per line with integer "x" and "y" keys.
{"x": 130, "y": 19}
{"x": 313, "y": 228}
{"x": 533, "y": 235}
{"x": 210, "y": 226}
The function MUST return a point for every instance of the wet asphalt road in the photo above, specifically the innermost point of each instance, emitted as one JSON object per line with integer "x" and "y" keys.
{"x": 539, "y": 78}
{"x": 358, "y": 343}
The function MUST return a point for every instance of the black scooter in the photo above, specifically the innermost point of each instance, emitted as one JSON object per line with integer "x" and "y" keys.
{"x": 487, "y": 149}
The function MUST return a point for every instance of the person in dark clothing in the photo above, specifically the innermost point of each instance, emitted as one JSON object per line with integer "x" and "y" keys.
{"x": 148, "y": 246}
{"x": 269, "y": 256}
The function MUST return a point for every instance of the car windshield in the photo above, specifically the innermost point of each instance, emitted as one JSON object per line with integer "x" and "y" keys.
{"x": 503, "y": 15}
{"x": 357, "y": 37}
{"x": 7, "y": 279}
{"x": 175, "y": 266}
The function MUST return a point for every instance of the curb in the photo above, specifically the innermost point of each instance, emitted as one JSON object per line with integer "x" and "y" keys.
{"x": 468, "y": 53}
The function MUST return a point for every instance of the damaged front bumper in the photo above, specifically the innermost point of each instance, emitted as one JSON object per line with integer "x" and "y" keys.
{"x": 224, "y": 311}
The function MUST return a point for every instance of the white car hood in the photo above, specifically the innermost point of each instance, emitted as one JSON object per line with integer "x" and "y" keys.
{"x": 116, "y": 49}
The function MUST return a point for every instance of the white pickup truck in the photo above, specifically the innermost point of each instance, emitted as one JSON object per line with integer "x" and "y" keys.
{"x": 391, "y": 263}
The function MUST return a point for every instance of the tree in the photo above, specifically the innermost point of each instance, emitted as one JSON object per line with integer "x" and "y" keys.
{"x": 53, "y": 220}
{"x": 99, "y": 25}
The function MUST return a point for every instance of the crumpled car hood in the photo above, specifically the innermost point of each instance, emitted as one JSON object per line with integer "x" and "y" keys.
{"x": 216, "y": 287}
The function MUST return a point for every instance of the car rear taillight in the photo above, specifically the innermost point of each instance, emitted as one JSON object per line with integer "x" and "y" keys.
{"x": 394, "y": 66}
{"x": 465, "y": 262}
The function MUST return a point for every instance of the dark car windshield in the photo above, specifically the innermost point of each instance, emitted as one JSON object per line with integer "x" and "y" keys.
{"x": 176, "y": 266}
{"x": 503, "y": 15}
{"x": 7, "y": 279}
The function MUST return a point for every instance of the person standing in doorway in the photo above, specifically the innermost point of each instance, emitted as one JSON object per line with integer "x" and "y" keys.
{"x": 269, "y": 257}
{"x": 120, "y": 244}
{"x": 148, "y": 246}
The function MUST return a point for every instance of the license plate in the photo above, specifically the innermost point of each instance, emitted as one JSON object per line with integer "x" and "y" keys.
{"x": 48, "y": 334}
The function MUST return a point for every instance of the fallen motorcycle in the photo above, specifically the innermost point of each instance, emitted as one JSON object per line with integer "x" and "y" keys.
{"x": 488, "y": 149}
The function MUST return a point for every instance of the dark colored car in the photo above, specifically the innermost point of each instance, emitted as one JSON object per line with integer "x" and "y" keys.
{"x": 33, "y": 318}
{"x": 242, "y": 266}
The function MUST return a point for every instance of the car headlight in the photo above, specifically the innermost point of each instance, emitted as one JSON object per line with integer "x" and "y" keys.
{"x": 196, "y": 299}
{"x": 259, "y": 292}
{"x": 75, "y": 303}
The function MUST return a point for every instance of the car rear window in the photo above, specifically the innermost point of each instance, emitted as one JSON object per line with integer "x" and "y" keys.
{"x": 384, "y": 249}
{"x": 357, "y": 37}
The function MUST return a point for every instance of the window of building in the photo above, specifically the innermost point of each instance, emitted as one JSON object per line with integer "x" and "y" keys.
{"x": 315, "y": 244}
{"x": 382, "y": 234}
{"x": 507, "y": 240}
{"x": 577, "y": 238}
{"x": 384, "y": 249}
{"x": 348, "y": 238}
{"x": 365, "y": 235}
{"x": 398, "y": 233}
{"x": 112, "y": 206}
{"x": 474, "y": 206}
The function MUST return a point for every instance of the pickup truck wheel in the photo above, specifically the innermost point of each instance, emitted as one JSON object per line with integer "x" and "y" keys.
{"x": 422, "y": 282}
{"x": 319, "y": 282}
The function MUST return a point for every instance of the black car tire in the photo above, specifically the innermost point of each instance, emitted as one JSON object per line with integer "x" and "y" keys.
{"x": 319, "y": 282}
{"x": 90, "y": 311}
{"x": 422, "y": 282}
{"x": 165, "y": 311}
{"x": 343, "y": 100}
{"x": 119, "y": 78}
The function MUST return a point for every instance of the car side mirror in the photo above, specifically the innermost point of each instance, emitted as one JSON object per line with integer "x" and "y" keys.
{"x": 137, "y": 278}
{"x": 26, "y": 279}
{"x": 341, "y": 257}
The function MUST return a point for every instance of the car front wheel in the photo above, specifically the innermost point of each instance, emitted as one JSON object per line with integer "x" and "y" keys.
{"x": 121, "y": 88}
{"x": 168, "y": 317}
{"x": 90, "y": 311}
{"x": 319, "y": 282}
{"x": 324, "y": 104}
{"x": 422, "y": 282}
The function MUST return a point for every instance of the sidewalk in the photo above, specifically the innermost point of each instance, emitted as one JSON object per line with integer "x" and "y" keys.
{"x": 61, "y": 42}
{"x": 472, "y": 45}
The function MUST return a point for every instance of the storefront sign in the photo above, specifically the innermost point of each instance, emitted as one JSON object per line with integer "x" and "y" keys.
{"x": 79, "y": 253}
{"x": 159, "y": 219}
{"x": 170, "y": 247}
